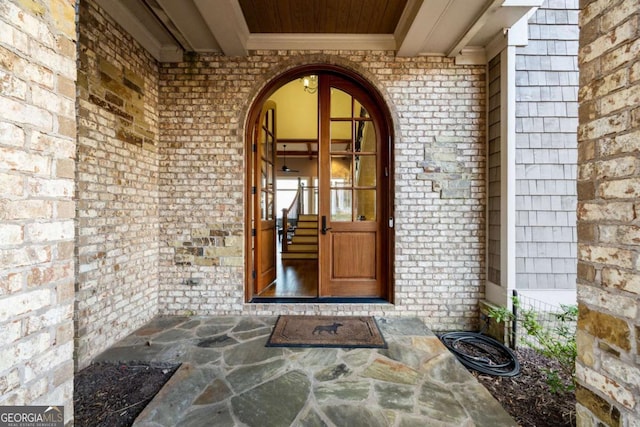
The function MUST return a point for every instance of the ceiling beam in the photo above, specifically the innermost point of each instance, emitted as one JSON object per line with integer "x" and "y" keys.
{"x": 227, "y": 24}
{"x": 479, "y": 22}
{"x": 188, "y": 25}
{"x": 297, "y": 154}
{"x": 162, "y": 52}
{"x": 417, "y": 24}
{"x": 472, "y": 55}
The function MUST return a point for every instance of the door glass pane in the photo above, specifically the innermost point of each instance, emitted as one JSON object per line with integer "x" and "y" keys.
{"x": 365, "y": 205}
{"x": 272, "y": 147}
{"x": 340, "y": 104}
{"x": 269, "y": 188}
{"x": 365, "y": 171}
{"x": 340, "y": 205}
{"x": 359, "y": 110}
{"x": 269, "y": 176}
{"x": 266, "y": 140}
{"x": 341, "y": 175}
{"x": 264, "y": 171}
{"x": 269, "y": 198}
{"x": 366, "y": 140}
{"x": 341, "y": 136}
{"x": 264, "y": 148}
{"x": 263, "y": 205}
{"x": 268, "y": 119}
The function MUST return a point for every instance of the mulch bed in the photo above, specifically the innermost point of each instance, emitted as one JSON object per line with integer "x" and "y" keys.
{"x": 113, "y": 395}
{"x": 527, "y": 397}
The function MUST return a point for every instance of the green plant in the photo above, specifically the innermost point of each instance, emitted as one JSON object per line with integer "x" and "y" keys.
{"x": 502, "y": 314}
{"x": 557, "y": 342}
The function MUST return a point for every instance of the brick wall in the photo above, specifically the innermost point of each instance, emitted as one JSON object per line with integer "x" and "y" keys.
{"x": 546, "y": 126}
{"x": 608, "y": 199}
{"x": 117, "y": 177}
{"x": 37, "y": 150}
{"x": 438, "y": 111}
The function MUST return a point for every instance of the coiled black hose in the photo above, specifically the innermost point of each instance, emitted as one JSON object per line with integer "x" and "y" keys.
{"x": 482, "y": 353}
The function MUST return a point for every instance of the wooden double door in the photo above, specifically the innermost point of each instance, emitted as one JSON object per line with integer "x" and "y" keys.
{"x": 355, "y": 220}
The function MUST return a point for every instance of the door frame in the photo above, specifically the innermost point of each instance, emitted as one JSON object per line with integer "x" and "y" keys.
{"x": 385, "y": 122}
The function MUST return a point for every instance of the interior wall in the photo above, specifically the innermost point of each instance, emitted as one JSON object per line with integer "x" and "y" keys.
{"x": 117, "y": 184}
{"x": 439, "y": 182}
{"x": 296, "y": 112}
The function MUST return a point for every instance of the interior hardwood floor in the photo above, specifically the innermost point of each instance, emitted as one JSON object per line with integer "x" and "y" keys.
{"x": 295, "y": 278}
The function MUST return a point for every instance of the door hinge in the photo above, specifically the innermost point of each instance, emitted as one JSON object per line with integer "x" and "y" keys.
{"x": 253, "y": 232}
{"x": 253, "y": 274}
{"x": 254, "y": 148}
{"x": 253, "y": 190}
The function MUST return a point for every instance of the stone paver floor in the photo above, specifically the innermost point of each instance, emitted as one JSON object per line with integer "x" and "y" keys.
{"x": 229, "y": 378}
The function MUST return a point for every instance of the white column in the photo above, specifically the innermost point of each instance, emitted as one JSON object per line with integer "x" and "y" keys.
{"x": 505, "y": 46}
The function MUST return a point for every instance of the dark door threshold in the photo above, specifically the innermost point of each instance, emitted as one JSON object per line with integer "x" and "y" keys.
{"x": 320, "y": 300}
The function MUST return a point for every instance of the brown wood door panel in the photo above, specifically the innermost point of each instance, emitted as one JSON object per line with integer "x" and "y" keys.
{"x": 354, "y": 288}
{"x": 354, "y": 255}
{"x": 267, "y": 253}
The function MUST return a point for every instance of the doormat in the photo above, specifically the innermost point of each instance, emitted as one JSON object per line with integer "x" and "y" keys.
{"x": 326, "y": 331}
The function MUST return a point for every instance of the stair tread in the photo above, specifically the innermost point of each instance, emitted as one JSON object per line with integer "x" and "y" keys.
{"x": 306, "y": 231}
{"x": 305, "y": 239}
{"x": 307, "y": 224}
{"x": 300, "y": 255}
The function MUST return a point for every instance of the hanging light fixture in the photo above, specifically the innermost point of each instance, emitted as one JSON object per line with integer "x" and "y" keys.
{"x": 310, "y": 83}
{"x": 286, "y": 168}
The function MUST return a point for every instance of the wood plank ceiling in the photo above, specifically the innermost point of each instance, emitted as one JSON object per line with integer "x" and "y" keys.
{"x": 323, "y": 16}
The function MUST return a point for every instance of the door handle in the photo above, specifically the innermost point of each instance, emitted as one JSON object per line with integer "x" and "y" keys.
{"x": 324, "y": 225}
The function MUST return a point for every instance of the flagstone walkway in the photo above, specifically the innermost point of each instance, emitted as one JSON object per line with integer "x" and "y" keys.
{"x": 229, "y": 378}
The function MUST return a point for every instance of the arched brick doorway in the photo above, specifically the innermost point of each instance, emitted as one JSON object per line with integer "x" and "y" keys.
{"x": 349, "y": 232}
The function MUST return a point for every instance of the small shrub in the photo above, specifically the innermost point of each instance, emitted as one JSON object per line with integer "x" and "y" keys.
{"x": 557, "y": 342}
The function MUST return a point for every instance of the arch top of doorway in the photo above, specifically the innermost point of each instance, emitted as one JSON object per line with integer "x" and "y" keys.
{"x": 302, "y": 65}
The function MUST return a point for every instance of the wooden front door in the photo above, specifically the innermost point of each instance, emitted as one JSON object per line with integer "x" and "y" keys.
{"x": 354, "y": 216}
{"x": 264, "y": 183}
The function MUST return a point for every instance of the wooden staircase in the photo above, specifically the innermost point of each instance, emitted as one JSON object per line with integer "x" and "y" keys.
{"x": 304, "y": 243}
